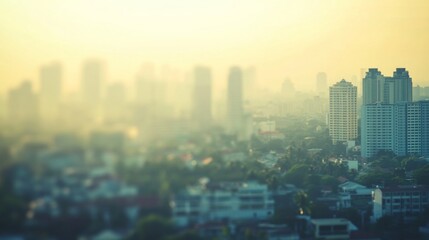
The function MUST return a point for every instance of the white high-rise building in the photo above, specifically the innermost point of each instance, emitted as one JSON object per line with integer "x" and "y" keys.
{"x": 402, "y": 128}
{"x": 390, "y": 121}
{"x": 377, "y": 128}
{"x": 343, "y": 111}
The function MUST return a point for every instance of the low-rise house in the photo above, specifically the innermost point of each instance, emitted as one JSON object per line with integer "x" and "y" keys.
{"x": 222, "y": 202}
{"x": 360, "y": 196}
{"x": 332, "y": 228}
{"x": 406, "y": 202}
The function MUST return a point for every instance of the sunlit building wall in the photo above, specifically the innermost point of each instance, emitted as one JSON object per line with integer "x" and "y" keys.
{"x": 343, "y": 111}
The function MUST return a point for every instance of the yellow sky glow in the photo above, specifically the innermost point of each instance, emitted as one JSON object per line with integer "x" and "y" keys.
{"x": 279, "y": 37}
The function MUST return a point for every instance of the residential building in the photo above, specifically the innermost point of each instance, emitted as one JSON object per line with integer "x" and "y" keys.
{"x": 332, "y": 228}
{"x": 372, "y": 86}
{"x": 380, "y": 89}
{"x": 360, "y": 196}
{"x": 402, "y": 128}
{"x": 417, "y": 128}
{"x": 376, "y": 128}
{"x": 343, "y": 111}
{"x": 224, "y": 201}
{"x": 402, "y": 201}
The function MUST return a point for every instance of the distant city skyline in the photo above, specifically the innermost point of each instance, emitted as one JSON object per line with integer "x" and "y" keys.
{"x": 295, "y": 39}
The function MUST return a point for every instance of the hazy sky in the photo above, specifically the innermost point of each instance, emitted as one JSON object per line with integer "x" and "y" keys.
{"x": 280, "y": 37}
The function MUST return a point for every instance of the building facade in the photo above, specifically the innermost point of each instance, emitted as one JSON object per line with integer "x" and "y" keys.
{"x": 380, "y": 89}
{"x": 332, "y": 228}
{"x": 402, "y": 128}
{"x": 225, "y": 201}
{"x": 402, "y": 201}
{"x": 343, "y": 111}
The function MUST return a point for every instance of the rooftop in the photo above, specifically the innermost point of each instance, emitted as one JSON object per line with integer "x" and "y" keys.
{"x": 330, "y": 221}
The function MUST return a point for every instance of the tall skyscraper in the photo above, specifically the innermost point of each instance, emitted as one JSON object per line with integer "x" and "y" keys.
{"x": 380, "y": 89}
{"x": 402, "y": 128}
{"x": 417, "y": 126}
{"x": 388, "y": 115}
{"x": 23, "y": 107}
{"x": 372, "y": 86}
{"x": 377, "y": 129}
{"x": 93, "y": 79}
{"x": 50, "y": 92}
{"x": 321, "y": 83}
{"x": 343, "y": 111}
{"x": 202, "y": 97}
{"x": 235, "y": 100}
{"x": 400, "y": 87}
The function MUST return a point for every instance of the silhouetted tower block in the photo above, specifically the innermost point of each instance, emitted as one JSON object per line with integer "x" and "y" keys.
{"x": 93, "y": 79}
{"x": 23, "y": 109}
{"x": 202, "y": 97}
{"x": 50, "y": 93}
{"x": 115, "y": 109}
{"x": 321, "y": 84}
{"x": 235, "y": 100}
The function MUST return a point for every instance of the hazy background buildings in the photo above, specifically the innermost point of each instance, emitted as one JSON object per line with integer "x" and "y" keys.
{"x": 113, "y": 111}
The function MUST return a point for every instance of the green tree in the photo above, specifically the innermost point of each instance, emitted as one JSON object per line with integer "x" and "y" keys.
{"x": 422, "y": 175}
{"x": 188, "y": 235}
{"x": 153, "y": 227}
{"x": 302, "y": 202}
{"x": 12, "y": 210}
{"x": 320, "y": 210}
{"x": 297, "y": 174}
